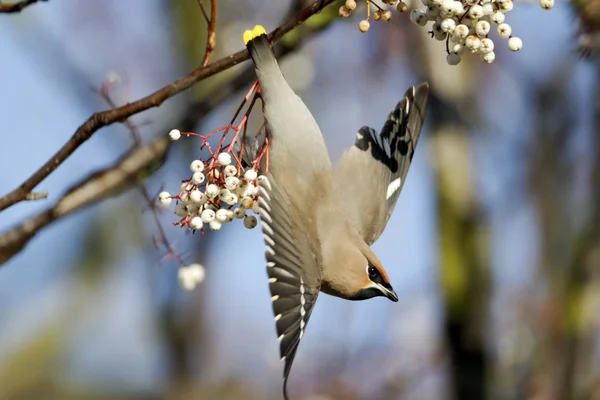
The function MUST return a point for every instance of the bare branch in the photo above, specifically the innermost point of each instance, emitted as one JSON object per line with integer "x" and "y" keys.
{"x": 211, "y": 37}
{"x": 37, "y": 195}
{"x": 11, "y": 8}
{"x": 109, "y": 117}
{"x": 92, "y": 189}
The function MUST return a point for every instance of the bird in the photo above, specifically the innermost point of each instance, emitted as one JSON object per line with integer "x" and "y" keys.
{"x": 318, "y": 219}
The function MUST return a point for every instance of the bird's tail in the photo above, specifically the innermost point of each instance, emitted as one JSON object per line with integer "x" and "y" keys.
{"x": 260, "y": 50}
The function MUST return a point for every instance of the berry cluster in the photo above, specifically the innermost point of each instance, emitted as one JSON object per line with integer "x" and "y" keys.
{"x": 381, "y": 14}
{"x": 191, "y": 276}
{"x": 465, "y": 25}
{"x": 219, "y": 191}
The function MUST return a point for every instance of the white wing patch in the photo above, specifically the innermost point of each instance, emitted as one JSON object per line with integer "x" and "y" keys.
{"x": 393, "y": 187}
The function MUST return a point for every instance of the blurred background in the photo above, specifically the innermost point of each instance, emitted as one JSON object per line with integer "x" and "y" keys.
{"x": 493, "y": 248}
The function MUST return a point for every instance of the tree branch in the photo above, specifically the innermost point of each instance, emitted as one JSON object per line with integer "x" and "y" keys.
{"x": 94, "y": 188}
{"x": 109, "y": 117}
{"x": 17, "y": 7}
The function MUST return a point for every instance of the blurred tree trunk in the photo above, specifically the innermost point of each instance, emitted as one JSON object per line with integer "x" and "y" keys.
{"x": 569, "y": 245}
{"x": 464, "y": 269}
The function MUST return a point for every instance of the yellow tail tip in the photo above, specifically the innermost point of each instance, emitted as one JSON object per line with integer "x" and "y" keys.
{"x": 255, "y": 32}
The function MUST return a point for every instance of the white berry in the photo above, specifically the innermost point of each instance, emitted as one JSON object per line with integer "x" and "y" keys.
{"x": 212, "y": 191}
{"x": 198, "y": 178}
{"x": 487, "y": 46}
{"x": 191, "y": 276}
{"x": 476, "y": 12}
{"x": 197, "y": 197}
{"x": 230, "y": 170}
{"x": 221, "y": 215}
{"x": 215, "y": 225}
{"x": 448, "y": 25}
{"x": 488, "y": 58}
{"x": 482, "y": 28}
{"x": 506, "y": 7}
{"x": 246, "y": 202}
{"x": 164, "y": 198}
{"x": 452, "y": 58}
{"x": 180, "y": 210}
{"x": 418, "y": 17}
{"x": 197, "y": 166}
{"x": 461, "y": 31}
{"x": 473, "y": 43}
{"x": 250, "y": 221}
{"x": 223, "y": 193}
{"x": 251, "y": 175}
{"x": 175, "y": 134}
{"x": 224, "y": 159}
{"x": 546, "y": 4}
{"x": 239, "y": 213}
{"x": 504, "y": 31}
{"x": 231, "y": 199}
{"x": 207, "y": 215}
{"x": 459, "y": 49}
{"x": 488, "y": 8}
{"x": 232, "y": 182}
{"x": 515, "y": 44}
{"x": 497, "y": 18}
{"x": 196, "y": 223}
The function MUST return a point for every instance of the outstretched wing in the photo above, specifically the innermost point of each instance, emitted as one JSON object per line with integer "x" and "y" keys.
{"x": 293, "y": 267}
{"x": 370, "y": 176}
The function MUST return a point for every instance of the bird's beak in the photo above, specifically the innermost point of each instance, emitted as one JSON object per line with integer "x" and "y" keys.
{"x": 390, "y": 293}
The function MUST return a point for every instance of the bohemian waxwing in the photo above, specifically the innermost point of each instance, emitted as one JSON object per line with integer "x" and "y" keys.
{"x": 318, "y": 222}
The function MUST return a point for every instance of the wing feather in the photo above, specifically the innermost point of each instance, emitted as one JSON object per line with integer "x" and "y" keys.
{"x": 293, "y": 267}
{"x": 373, "y": 171}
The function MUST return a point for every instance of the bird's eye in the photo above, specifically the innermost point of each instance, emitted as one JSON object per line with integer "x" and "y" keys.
{"x": 372, "y": 272}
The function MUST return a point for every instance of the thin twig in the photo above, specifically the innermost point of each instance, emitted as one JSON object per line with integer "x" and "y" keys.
{"x": 150, "y": 201}
{"x": 10, "y": 8}
{"x": 211, "y": 38}
{"x": 109, "y": 117}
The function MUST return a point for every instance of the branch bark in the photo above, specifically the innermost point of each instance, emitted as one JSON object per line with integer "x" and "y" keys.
{"x": 109, "y": 117}
{"x": 91, "y": 190}
{"x": 11, "y": 8}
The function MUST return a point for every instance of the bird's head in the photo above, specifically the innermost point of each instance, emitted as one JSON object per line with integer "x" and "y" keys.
{"x": 373, "y": 280}
{"x": 353, "y": 272}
